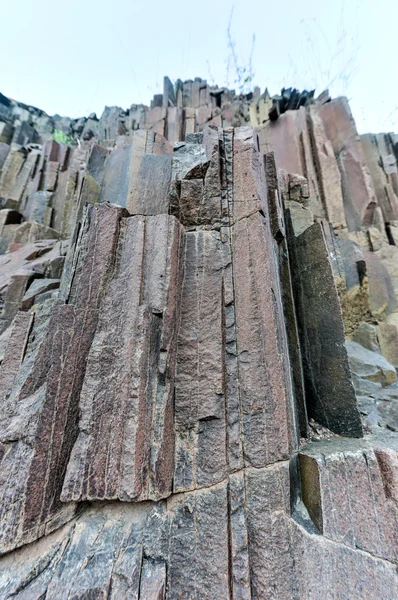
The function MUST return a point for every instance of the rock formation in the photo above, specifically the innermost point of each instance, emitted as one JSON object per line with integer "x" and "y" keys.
{"x": 199, "y": 342}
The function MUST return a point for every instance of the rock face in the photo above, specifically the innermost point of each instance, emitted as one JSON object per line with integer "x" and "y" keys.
{"x": 182, "y": 414}
{"x": 330, "y": 394}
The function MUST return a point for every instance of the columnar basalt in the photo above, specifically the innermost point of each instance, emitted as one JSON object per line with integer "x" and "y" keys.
{"x": 198, "y": 349}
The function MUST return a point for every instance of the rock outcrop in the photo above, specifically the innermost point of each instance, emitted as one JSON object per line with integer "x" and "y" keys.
{"x": 198, "y": 351}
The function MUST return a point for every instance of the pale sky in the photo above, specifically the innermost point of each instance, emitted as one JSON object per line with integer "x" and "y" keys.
{"x": 76, "y": 56}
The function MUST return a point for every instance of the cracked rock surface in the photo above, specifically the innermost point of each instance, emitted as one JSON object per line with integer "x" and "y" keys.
{"x": 198, "y": 353}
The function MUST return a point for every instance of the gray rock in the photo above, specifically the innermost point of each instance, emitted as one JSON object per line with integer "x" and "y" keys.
{"x": 365, "y": 387}
{"x": 37, "y": 287}
{"x": 366, "y": 335}
{"x": 4, "y": 150}
{"x": 40, "y": 208}
{"x": 370, "y": 365}
{"x": 329, "y": 391}
{"x": 301, "y": 217}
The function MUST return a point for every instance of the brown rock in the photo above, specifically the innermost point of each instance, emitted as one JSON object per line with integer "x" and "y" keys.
{"x": 267, "y": 501}
{"x": 343, "y": 487}
{"x": 267, "y": 423}
{"x": 17, "y": 189}
{"x": 200, "y": 394}
{"x": 31, "y": 231}
{"x": 327, "y": 170}
{"x": 94, "y": 256}
{"x": 289, "y": 138}
{"x": 129, "y": 454}
{"x": 349, "y": 573}
{"x": 38, "y": 286}
{"x": 246, "y": 167}
{"x": 360, "y": 200}
{"x": 46, "y": 394}
{"x": 11, "y": 167}
{"x": 383, "y": 173}
{"x": 387, "y": 335}
{"x": 382, "y": 299}
{"x": 167, "y": 372}
{"x": 199, "y": 545}
{"x": 14, "y": 351}
{"x": 149, "y": 185}
{"x": 9, "y": 220}
{"x": 16, "y": 289}
{"x": 153, "y": 580}
{"x": 388, "y": 464}
{"x": 240, "y": 567}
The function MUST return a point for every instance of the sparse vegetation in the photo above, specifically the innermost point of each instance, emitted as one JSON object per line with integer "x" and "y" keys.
{"x": 243, "y": 73}
{"x": 326, "y": 61}
{"x": 61, "y": 137}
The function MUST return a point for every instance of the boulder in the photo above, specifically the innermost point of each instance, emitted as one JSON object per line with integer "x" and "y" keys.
{"x": 366, "y": 335}
{"x": 370, "y": 365}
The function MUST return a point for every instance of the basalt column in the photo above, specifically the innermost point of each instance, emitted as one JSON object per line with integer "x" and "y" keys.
{"x": 151, "y": 406}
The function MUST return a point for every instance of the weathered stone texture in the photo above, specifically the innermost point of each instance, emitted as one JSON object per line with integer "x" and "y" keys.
{"x": 343, "y": 485}
{"x": 346, "y": 573}
{"x": 235, "y": 539}
{"x": 29, "y": 505}
{"x": 173, "y": 317}
{"x": 45, "y": 396}
{"x": 267, "y": 432}
{"x": 382, "y": 165}
{"x": 200, "y": 392}
{"x": 327, "y": 170}
{"x": 14, "y": 351}
{"x": 330, "y": 394}
{"x": 359, "y": 196}
{"x": 125, "y": 444}
{"x": 289, "y": 138}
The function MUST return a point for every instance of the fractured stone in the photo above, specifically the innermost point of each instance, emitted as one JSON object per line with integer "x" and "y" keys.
{"x": 129, "y": 454}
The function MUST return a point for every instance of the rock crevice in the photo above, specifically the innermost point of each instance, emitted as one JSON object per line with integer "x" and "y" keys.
{"x": 198, "y": 382}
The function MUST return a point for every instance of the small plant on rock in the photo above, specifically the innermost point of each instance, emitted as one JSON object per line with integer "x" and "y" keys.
{"x": 61, "y": 137}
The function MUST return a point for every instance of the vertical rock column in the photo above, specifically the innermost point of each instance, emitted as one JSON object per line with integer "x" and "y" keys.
{"x": 125, "y": 446}
{"x": 41, "y": 410}
{"x": 330, "y": 394}
{"x": 268, "y": 417}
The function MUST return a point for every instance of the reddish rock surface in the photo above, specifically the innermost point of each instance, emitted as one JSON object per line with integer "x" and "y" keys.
{"x": 173, "y": 318}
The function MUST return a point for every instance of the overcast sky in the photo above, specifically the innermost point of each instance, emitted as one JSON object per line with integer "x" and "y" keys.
{"x": 74, "y": 57}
